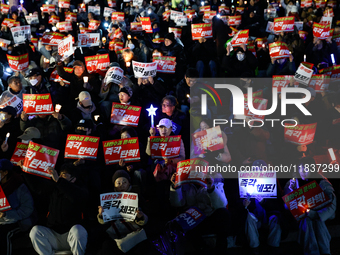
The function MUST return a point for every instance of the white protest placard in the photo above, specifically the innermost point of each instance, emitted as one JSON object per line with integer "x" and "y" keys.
{"x": 257, "y": 184}
{"x": 94, "y": 9}
{"x": 15, "y": 102}
{"x": 4, "y": 43}
{"x": 65, "y": 48}
{"x": 181, "y": 20}
{"x": 303, "y": 74}
{"x": 114, "y": 74}
{"x": 119, "y": 205}
{"x": 88, "y": 40}
{"x": 138, "y": 3}
{"x": 326, "y": 20}
{"x": 144, "y": 70}
{"x": 175, "y": 14}
{"x": 32, "y": 19}
{"x": 87, "y": 1}
{"x": 20, "y": 34}
{"x": 108, "y": 11}
{"x": 299, "y": 25}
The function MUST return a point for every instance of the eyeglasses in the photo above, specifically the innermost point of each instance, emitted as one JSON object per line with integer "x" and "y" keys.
{"x": 167, "y": 105}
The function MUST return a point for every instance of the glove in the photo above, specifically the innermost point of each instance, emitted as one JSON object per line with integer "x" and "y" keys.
{"x": 313, "y": 215}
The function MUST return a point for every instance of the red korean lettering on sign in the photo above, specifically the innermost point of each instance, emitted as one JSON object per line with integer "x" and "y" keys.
{"x": 333, "y": 72}
{"x": 187, "y": 171}
{"x": 119, "y": 16}
{"x": 125, "y": 114}
{"x": 71, "y": 17}
{"x": 234, "y": 20}
{"x": 258, "y": 103}
{"x": 136, "y": 26}
{"x": 56, "y": 78}
{"x": 321, "y": 31}
{"x": 165, "y": 146}
{"x": 300, "y": 134}
{"x": 94, "y": 24}
{"x": 201, "y": 30}
{"x": 282, "y": 81}
{"x": 278, "y": 50}
{"x": 64, "y": 4}
{"x": 65, "y": 26}
{"x": 38, "y": 158}
{"x": 97, "y": 62}
{"x": 53, "y": 19}
{"x": 19, "y": 152}
{"x": 4, "y": 204}
{"x": 81, "y": 146}
{"x": 285, "y": 24}
{"x": 319, "y": 82}
{"x": 18, "y": 63}
{"x": 126, "y": 149}
{"x": 52, "y": 38}
{"x": 309, "y": 196}
{"x": 208, "y": 140}
{"x": 165, "y": 64}
{"x": 38, "y": 103}
{"x": 4, "y": 8}
{"x": 177, "y": 32}
{"x": 320, "y": 4}
{"x": 240, "y": 38}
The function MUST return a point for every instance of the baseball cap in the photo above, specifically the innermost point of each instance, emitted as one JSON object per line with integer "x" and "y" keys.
{"x": 165, "y": 122}
{"x": 85, "y": 98}
{"x": 32, "y": 72}
{"x": 126, "y": 90}
{"x": 30, "y": 133}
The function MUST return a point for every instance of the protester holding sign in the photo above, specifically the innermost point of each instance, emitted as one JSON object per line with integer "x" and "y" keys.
{"x": 21, "y": 215}
{"x": 314, "y": 219}
{"x": 281, "y": 66}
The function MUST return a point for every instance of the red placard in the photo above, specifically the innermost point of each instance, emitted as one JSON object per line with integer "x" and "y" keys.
{"x": 320, "y": 4}
{"x": 116, "y": 46}
{"x": 123, "y": 114}
{"x": 186, "y": 171}
{"x": 333, "y": 71}
{"x": 321, "y": 31}
{"x": 240, "y": 38}
{"x": 52, "y": 38}
{"x": 165, "y": 146}
{"x": 328, "y": 13}
{"x": 38, "y": 158}
{"x": 56, "y": 78}
{"x": 126, "y": 149}
{"x": 136, "y": 26}
{"x": 4, "y": 8}
{"x": 303, "y": 34}
{"x": 71, "y": 17}
{"x": 97, "y": 62}
{"x": 260, "y": 42}
{"x": 190, "y": 14}
{"x": 165, "y": 64}
{"x": 233, "y": 31}
{"x": 10, "y": 23}
{"x": 331, "y": 3}
{"x": 18, "y": 63}
{"x": 319, "y": 82}
{"x": 19, "y": 152}
{"x": 84, "y": 30}
{"x": 64, "y": 26}
{"x": 300, "y": 134}
{"x": 209, "y": 15}
{"x": 48, "y": 8}
{"x": 94, "y": 24}
{"x": 251, "y": 48}
{"x": 278, "y": 50}
{"x": 234, "y": 20}
{"x": 35, "y": 42}
{"x": 117, "y": 34}
{"x": 111, "y": 3}
{"x": 224, "y": 8}
{"x": 4, "y": 205}
{"x": 158, "y": 40}
{"x": 282, "y": 81}
{"x": 53, "y": 19}
{"x": 258, "y": 103}
{"x": 64, "y": 4}
{"x": 306, "y": 3}
{"x": 240, "y": 10}
{"x": 166, "y": 15}
{"x": 81, "y": 146}
{"x": 284, "y": 24}
{"x": 146, "y": 24}
{"x": 38, "y": 103}
{"x": 336, "y": 38}
{"x": 177, "y": 32}
{"x": 117, "y": 16}
{"x": 208, "y": 140}
{"x": 201, "y": 30}
{"x": 204, "y": 9}
{"x": 309, "y": 196}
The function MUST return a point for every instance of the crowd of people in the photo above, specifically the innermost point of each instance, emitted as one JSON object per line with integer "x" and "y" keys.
{"x": 63, "y": 212}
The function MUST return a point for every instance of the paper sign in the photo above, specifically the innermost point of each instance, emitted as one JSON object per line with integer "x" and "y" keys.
{"x": 114, "y": 74}
{"x": 303, "y": 35}
{"x": 15, "y": 102}
{"x": 270, "y": 27}
{"x": 240, "y": 10}
{"x": 20, "y": 34}
{"x": 123, "y": 114}
{"x": 111, "y": 3}
{"x": 251, "y": 48}
{"x": 177, "y": 32}
{"x": 165, "y": 146}
{"x": 144, "y": 70}
{"x": 326, "y": 21}
{"x": 300, "y": 134}
{"x": 119, "y": 16}
{"x": 48, "y": 8}
{"x": 4, "y": 8}
{"x": 38, "y": 158}
{"x": 108, "y": 11}
{"x": 71, "y": 17}
{"x": 81, "y": 146}
{"x": 32, "y": 19}
{"x": 19, "y": 152}
{"x": 191, "y": 171}
{"x": 278, "y": 50}
{"x": 38, "y": 103}
{"x": 18, "y": 63}
{"x": 9, "y": 23}
{"x": 4, "y": 204}
{"x": 204, "y": 9}
{"x": 97, "y": 62}
{"x": 174, "y": 14}
{"x": 190, "y": 14}
{"x": 126, "y": 149}
{"x": 94, "y": 9}
{"x": 190, "y": 219}
{"x": 309, "y": 196}
{"x": 282, "y": 81}
{"x": 208, "y": 15}
{"x": 321, "y": 31}
{"x": 299, "y": 25}
{"x": 224, "y": 8}
{"x": 52, "y": 38}
{"x": 56, "y": 78}
{"x": 240, "y": 38}
{"x": 64, "y": 4}
{"x": 94, "y": 24}
{"x": 4, "y": 44}
{"x": 235, "y": 20}
{"x": 136, "y": 26}
{"x": 53, "y": 19}
{"x": 84, "y": 30}
{"x": 320, "y": 4}
{"x": 328, "y": 13}
{"x": 333, "y": 71}
{"x": 64, "y": 26}
{"x": 166, "y": 15}
{"x": 158, "y": 40}
{"x": 258, "y": 184}
{"x": 306, "y": 3}
{"x": 138, "y": 3}
{"x": 303, "y": 74}
{"x": 165, "y": 64}
{"x": 260, "y": 42}
{"x": 284, "y": 24}
{"x": 319, "y": 82}
{"x": 89, "y": 40}
{"x": 201, "y": 30}
{"x": 119, "y": 205}
{"x": 181, "y": 21}
{"x": 65, "y": 48}
{"x": 146, "y": 24}
{"x": 208, "y": 140}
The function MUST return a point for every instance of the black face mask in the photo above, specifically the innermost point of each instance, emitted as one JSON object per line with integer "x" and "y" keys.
{"x": 80, "y": 132}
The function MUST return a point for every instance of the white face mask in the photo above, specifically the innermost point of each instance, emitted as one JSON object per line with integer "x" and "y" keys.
{"x": 240, "y": 56}
{"x": 34, "y": 82}
{"x": 131, "y": 46}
